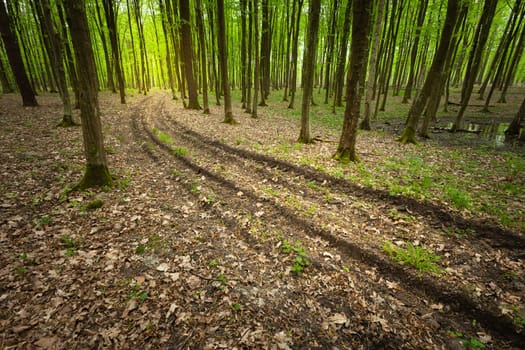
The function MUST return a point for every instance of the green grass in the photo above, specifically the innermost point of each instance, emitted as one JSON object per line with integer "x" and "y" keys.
{"x": 417, "y": 257}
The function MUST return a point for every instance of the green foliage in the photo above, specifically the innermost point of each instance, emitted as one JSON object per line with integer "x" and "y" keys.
{"x": 221, "y": 278}
{"x": 300, "y": 262}
{"x": 124, "y": 183}
{"x": 473, "y": 343}
{"x": 416, "y": 256}
{"x": 68, "y": 241}
{"x": 43, "y": 220}
{"x": 458, "y": 198}
{"x": 180, "y": 151}
{"x": 163, "y": 137}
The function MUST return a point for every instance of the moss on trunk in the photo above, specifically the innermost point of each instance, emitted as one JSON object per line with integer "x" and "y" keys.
{"x": 95, "y": 176}
{"x": 408, "y": 136}
{"x": 346, "y": 156}
{"x": 67, "y": 121}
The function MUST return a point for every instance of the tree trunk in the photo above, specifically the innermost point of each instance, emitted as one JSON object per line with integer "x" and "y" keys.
{"x": 109, "y": 66}
{"x": 433, "y": 77}
{"x": 413, "y": 53}
{"x": 53, "y": 43}
{"x": 15, "y": 59}
{"x": 330, "y": 51}
{"x": 97, "y": 173}
{"x": 343, "y": 47}
{"x": 168, "y": 51}
{"x": 223, "y": 60}
{"x": 202, "y": 49}
{"x": 6, "y": 85}
{"x": 369, "y": 89}
{"x": 362, "y": 10}
{"x": 515, "y": 125}
{"x": 187, "y": 54}
{"x": 310, "y": 54}
{"x": 249, "y": 59}
{"x": 265, "y": 53}
{"x": 257, "y": 68}
{"x": 112, "y": 28}
{"x": 293, "y": 82}
{"x": 479, "y": 41}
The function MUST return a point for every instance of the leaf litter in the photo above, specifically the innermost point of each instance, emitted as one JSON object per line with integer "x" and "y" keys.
{"x": 138, "y": 271}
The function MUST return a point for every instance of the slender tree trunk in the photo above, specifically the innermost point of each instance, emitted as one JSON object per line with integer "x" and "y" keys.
{"x": 109, "y": 9}
{"x": 6, "y": 85}
{"x": 513, "y": 66}
{"x": 340, "y": 72}
{"x": 369, "y": 88}
{"x": 244, "y": 64}
{"x": 433, "y": 77}
{"x": 257, "y": 68}
{"x": 202, "y": 49}
{"x": 480, "y": 38}
{"x": 515, "y": 125}
{"x": 249, "y": 58}
{"x": 168, "y": 51}
{"x": 293, "y": 84}
{"x": 15, "y": 59}
{"x": 97, "y": 173}
{"x": 413, "y": 53}
{"x": 289, "y": 23}
{"x": 53, "y": 43}
{"x": 109, "y": 67}
{"x": 330, "y": 51}
{"x": 187, "y": 53}
{"x": 265, "y": 53}
{"x": 223, "y": 60}
{"x": 362, "y": 10}
{"x": 310, "y": 54}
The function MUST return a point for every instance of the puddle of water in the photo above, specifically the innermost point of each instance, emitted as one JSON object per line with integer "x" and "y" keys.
{"x": 493, "y": 131}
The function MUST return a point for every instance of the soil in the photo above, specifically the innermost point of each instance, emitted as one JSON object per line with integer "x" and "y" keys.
{"x": 211, "y": 241}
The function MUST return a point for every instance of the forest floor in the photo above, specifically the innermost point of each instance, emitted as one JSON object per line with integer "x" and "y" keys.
{"x": 228, "y": 237}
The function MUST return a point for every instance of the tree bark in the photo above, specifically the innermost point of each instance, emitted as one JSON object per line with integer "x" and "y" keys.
{"x": 310, "y": 54}
{"x": 295, "y": 48}
{"x": 53, "y": 43}
{"x": 369, "y": 88}
{"x": 433, "y": 77}
{"x": 257, "y": 68}
{"x": 223, "y": 60}
{"x": 15, "y": 59}
{"x": 515, "y": 125}
{"x": 112, "y": 28}
{"x": 474, "y": 61}
{"x": 97, "y": 173}
{"x": 340, "y": 72}
{"x": 362, "y": 10}
{"x": 187, "y": 54}
{"x": 202, "y": 49}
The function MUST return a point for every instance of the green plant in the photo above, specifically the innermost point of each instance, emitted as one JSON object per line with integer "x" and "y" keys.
{"x": 213, "y": 263}
{"x": 164, "y": 138}
{"x": 180, "y": 151}
{"x": 123, "y": 183}
{"x": 70, "y": 251}
{"x": 472, "y": 343}
{"x": 221, "y": 278}
{"x": 68, "y": 241}
{"x": 195, "y": 189}
{"x": 300, "y": 261}
{"x": 43, "y": 220}
{"x": 21, "y": 270}
{"x": 141, "y": 249}
{"x": 235, "y": 307}
{"x": 416, "y": 256}
{"x": 458, "y": 198}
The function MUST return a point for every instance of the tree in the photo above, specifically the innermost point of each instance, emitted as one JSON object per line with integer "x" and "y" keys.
{"x": 474, "y": 61}
{"x": 53, "y": 43}
{"x": 515, "y": 125}
{"x": 362, "y": 12}
{"x": 433, "y": 76}
{"x": 109, "y": 9}
{"x": 187, "y": 53}
{"x": 97, "y": 173}
{"x": 202, "y": 49}
{"x": 314, "y": 12}
{"x": 223, "y": 60}
{"x": 369, "y": 85}
{"x": 15, "y": 59}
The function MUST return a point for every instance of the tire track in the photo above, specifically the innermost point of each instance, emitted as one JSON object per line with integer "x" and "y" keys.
{"x": 422, "y": 286}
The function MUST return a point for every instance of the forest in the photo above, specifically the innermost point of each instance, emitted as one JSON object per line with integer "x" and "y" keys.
{"x": 262, "y": 174}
